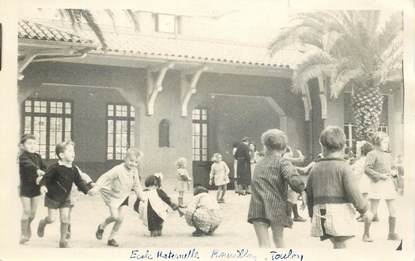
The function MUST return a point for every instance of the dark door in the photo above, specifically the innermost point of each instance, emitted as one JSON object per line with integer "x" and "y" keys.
{"x": 201, "y": 162}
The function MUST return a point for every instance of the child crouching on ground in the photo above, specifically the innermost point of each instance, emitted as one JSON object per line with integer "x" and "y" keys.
{"x": 57, "y": 184}
{"x": 332, "y": 191}
{"x": 219, "y": 174}
{"x": 115, "y": 187}
{"x": 154, "y": 210}
{"x": 203, "y": 213}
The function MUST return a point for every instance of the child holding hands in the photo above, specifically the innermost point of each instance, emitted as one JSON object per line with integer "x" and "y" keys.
{"x": 31, "y": 168}
{"x": 115, "y": 187}
{"x": 272, "y": 176}
{"x": 332, "y": 191}
{"x": 57, "y": 184}
{"x": 156, "y": 206}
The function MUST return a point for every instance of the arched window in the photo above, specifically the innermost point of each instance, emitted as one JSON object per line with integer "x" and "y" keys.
{"x": 164, "y": 133}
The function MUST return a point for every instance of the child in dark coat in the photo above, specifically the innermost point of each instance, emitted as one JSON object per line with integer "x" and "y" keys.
{"x": 333, "y": 192}
{"x": 31, "y": 168}
{"x": 57, "y": 184}
{"x": 155, "y": 208}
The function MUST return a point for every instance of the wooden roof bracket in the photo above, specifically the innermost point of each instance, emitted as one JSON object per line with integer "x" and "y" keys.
{"x": 188, "y": 86}
{"x": 155, "y": 84}
{"x": 323, "y": 99}
{"x": 48, "y": 55}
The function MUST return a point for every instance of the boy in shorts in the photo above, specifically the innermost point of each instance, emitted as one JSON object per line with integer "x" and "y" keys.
{"x": 57, "y": 184}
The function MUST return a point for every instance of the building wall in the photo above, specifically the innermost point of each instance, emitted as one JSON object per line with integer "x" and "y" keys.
{"x": 89, "y": 121}
{"x": 396, "y": 120}
{"x": 231, "y": 119}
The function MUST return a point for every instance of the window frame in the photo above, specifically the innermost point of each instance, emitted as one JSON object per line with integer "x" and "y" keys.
{"x": 200, "y": 122}
{"x": 114, "y": 118}
{"x": 163, "y": 123}
{"x": 48, "y": 115}
{"x": 176, "y": 21}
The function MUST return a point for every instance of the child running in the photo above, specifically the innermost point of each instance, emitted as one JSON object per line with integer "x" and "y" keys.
{"x": 219, "y": 174}
{"x": 157, "y": 204}
{"x": 272, "y": 176}
{"x": 115, "y": 187}
{"x": 183, "y": 179}
{"x": 57, "y": 184}
{"x": 31, "y": 167}
{"x": 381, "y": 170}
{"x": 332, "y": 191}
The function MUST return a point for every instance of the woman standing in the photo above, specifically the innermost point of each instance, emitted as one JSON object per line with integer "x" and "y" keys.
{"x": 243, "y": 171}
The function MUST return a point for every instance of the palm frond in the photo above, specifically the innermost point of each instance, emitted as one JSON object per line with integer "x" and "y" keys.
{"x": 314, "y": 65}
{"x": 372, "y": 23}
{"x": 300, "y": 33}
{"x": 134, "y": 19}
{"x": 90, "y": 20}
{"x": 393, "y": 27}
{"x": 111, "y": 14}
{"x": 342, "y": 80}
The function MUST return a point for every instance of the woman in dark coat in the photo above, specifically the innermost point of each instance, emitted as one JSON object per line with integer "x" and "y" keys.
{"x": 243, "y": 166}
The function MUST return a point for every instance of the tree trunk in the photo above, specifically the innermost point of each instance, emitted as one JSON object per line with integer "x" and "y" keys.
{"x": 367, "y": 103}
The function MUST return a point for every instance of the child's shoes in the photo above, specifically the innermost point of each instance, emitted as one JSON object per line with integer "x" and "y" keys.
{"x": 299, "y": 219}
{"x": 99, "y": 232}
{"x": 367, "y": 238}
{"x": 41, "y": 228}
{"x": 198, "y": 233}
{"x": 63, "y": 244}
{"x": 23, "y": 241}
{"x": 113, "y": 243}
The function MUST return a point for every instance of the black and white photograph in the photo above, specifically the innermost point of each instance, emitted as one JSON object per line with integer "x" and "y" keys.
{"x": 246, "y": 130}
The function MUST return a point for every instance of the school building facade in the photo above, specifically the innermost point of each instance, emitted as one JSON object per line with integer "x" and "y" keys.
{"x": 170, "y": 97}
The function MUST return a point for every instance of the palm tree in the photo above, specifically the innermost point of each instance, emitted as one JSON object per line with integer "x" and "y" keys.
{"x": 350, "y": 49}
{"x": 79, "y": 16}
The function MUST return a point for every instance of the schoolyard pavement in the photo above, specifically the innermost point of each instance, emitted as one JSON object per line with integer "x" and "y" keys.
{"x": 234, "y": 231}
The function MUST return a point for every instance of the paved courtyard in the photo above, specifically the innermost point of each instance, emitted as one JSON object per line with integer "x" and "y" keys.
{"x": 233, "y": 232}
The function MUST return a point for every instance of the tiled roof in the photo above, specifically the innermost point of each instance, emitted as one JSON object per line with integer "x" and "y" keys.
{"x": 36, "y": 31}
{"x": 161, "y": 47}
{"x": 188, "y": 49}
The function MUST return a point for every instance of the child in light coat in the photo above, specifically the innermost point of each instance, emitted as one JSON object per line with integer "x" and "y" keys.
{"x": 183, "y": 179}
{"x": 219, "y": 174}
{"x": 115, "y": 187}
